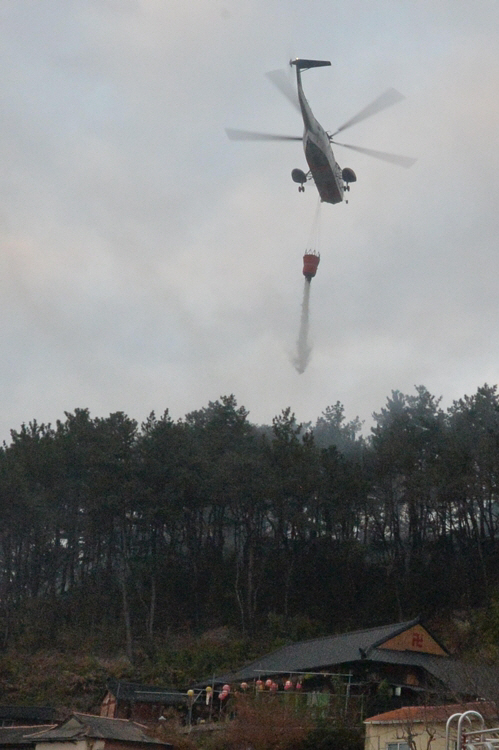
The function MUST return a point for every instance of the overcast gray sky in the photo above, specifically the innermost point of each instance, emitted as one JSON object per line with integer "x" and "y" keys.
{"x": 147, "y": 262}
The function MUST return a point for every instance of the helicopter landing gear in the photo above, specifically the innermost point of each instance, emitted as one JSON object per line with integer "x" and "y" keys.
{"x": 298, "y": 175}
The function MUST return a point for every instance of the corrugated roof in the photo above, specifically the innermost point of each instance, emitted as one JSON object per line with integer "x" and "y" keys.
{"x": 99, "y": 727}
{"x": 28, "y": 713}
{"x": 133, "y": 691}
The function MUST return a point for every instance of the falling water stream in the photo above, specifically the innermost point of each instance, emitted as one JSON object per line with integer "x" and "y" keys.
{"x": 303, "y": 347}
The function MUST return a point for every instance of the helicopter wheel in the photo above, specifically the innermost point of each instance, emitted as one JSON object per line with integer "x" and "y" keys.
{"x": 301, "y": 189}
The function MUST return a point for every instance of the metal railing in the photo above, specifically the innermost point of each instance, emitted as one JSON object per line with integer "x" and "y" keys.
{"x": 471, "y": 739}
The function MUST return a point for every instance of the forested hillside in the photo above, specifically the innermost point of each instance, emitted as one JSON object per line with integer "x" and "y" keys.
{"x": 126, "y": 532}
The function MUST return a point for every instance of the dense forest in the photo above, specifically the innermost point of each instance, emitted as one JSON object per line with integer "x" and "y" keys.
{"x": 131, "y": 531}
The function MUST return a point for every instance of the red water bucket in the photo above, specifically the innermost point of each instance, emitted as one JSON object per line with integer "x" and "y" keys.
{"x": 310, "y": 263}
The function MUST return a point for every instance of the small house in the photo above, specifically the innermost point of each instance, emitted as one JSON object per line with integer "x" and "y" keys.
{"x": 143, "y": 703}
{"x": 88, "y": 732}
{"x": 421, "y": 727}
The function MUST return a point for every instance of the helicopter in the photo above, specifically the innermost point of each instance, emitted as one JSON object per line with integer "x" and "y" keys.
{"x": 330, "y": 179}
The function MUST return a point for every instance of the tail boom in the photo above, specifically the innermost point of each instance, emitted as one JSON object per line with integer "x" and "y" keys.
{"x": 305, "y": 64}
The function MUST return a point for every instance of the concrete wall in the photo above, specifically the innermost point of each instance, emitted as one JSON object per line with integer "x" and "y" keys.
{"x": 425, "y": 735}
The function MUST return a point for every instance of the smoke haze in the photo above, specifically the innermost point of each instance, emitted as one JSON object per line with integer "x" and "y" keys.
{"x": 146, "y": 261}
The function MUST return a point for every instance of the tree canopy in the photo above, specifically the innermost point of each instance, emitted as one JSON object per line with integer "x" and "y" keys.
{"x": 131, "y": 530}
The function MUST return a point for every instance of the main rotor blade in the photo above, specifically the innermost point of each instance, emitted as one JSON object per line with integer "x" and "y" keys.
{"x": 249, "y": 135}
{"x": 280, "y": 79}
{"x": 401, "y": 161}
{"x": 390, "y": 96}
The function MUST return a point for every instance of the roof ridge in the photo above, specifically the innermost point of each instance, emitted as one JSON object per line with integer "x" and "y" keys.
{"x": 401, "y": 625}
{"x": 107, "y": 718}
{"x": 41, "y": 729}
{"x": 30, "y": 726}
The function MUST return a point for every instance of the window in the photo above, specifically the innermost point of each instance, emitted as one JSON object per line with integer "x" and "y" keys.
{"x": 397, "y": 746}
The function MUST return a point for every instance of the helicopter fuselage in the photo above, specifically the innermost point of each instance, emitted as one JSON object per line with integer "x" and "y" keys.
{"x": 330, "y": 179}
{"x": 325, "y": 170}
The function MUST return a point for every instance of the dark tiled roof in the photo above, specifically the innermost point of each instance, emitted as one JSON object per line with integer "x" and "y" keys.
{"x": 99, "y": 727}
{"x": 10, "y": 736}
{"x": 318, "y": 653}
{"x": 132, "y": 691}
{"x": 338, "y": 652}
{"x": 458, "y": 677}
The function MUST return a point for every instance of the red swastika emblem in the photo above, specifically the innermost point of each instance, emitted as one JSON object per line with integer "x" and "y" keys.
{"x": 417, "y": 640}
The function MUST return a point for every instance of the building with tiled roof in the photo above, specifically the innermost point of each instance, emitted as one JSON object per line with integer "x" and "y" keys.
{"x": 87, "y": 732}
{"x": 425, "y": 727}
{"x": 383, "y": 667}
{"x": 143, "y": 703}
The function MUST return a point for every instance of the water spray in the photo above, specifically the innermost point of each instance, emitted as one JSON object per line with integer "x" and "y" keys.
{"x": 311, "y": 261}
